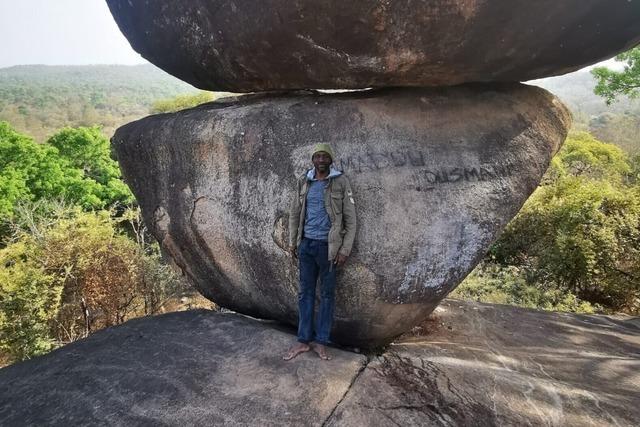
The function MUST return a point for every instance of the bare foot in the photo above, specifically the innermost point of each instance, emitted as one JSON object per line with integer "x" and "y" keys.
{"x": 297, "y": 349}
{"x": 321, "y": 351}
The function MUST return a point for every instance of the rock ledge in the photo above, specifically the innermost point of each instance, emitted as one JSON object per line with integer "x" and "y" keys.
{"x": 469, "y": 364}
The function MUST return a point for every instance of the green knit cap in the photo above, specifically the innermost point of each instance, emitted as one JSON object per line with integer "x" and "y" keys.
{"x": 323, "y": 147}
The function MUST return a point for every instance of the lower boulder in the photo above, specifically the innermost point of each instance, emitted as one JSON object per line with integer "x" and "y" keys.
{"x": 436, "y": 173}
{"x": 473, "y": 364}
{"x": 197, "y": 368}
{"x": 469, "y": 364}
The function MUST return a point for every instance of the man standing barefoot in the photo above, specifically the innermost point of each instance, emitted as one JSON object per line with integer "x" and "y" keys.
{"x": 322, "y": 228}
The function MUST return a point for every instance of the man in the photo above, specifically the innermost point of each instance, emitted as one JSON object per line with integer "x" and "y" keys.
{"x": 322, "y": 227}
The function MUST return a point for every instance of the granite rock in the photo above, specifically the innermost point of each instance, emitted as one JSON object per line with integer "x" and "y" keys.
{"x": 197, "y": 368}
{"x": 436, "y": 173}
{"x": 249, "y": 46}
{"x": 469, "y": 364}
{"x": 477, "y": 364}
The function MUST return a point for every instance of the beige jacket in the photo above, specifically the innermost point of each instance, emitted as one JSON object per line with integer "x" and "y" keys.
{"x": 340, "y": 205}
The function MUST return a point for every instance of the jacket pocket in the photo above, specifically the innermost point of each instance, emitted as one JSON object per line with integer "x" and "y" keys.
{"x": 336, "y": 203}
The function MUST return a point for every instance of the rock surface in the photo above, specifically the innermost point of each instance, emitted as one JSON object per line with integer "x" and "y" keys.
{"x": 436, "y": 173}
{"x": 189, "y": 368}
{"x": 249, "y": 46}
{"x": 469, "y": 365}
{"x": 490, "y": 365}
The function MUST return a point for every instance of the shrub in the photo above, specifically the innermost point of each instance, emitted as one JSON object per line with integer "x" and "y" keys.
{"x": 29, "y": 301}
{"x": 182, "y": 102}
{"x": 66, "y": 273}
{"x": 580, "y": 231}
{"x": 496, "y": 284}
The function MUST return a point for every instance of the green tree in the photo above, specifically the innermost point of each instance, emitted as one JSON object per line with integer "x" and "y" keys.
{"x": 87, "y": 150}
{"x": 28, "y": 171}
{"x": 497, "y": 284}
{"x": 67, "y": 273}
{"x": 74, "y": 164}
{"x": 30, "y": 298}
{"x": 613, "y": 84}
{"x": 580, "y": 232}
{"x": 182, "y": 102}
{"x": 583, "y": 155}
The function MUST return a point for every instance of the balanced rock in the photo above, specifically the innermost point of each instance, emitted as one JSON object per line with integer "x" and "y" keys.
{"x": 248, "y": 45}
{"x": 436, "y": 173}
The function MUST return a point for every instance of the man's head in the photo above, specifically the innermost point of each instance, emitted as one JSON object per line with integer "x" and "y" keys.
{"x": 322, "y": 157}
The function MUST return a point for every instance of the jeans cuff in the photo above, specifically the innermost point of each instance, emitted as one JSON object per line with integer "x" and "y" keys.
{"x": 303, "y": 341}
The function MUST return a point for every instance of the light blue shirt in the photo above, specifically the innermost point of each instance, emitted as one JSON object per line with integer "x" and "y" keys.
{"x": 316, "y": 220}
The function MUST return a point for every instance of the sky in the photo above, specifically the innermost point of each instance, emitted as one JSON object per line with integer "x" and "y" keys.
{"x": 63, "y": 32}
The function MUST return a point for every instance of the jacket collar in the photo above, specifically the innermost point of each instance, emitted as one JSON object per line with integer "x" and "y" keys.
{"x": 333, "y": 173}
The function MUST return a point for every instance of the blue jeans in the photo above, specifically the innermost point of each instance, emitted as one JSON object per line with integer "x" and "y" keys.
{"x": 313, "y": 262}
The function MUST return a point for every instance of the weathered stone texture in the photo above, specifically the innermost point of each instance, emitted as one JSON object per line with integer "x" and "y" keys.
{"x": 489, "y": 365}
{"x": 196, "y": 368}
{"x": 249, "y": 45}
{"x": 437, "y": 174}
{"x": 469, "y": 365}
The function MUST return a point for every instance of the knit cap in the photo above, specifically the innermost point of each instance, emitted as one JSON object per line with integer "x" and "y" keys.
{"x": 323, "y": 147}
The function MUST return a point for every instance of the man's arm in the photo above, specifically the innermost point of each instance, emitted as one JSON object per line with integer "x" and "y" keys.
{"x": 294, "y": 218}
{"x": 348, "y": 218}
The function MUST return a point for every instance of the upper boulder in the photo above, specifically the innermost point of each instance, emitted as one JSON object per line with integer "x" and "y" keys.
{"x": 247, "y": 46}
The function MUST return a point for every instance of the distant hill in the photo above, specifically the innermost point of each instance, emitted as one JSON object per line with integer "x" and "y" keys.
{"x": 618, "y": 123}
{"x": 39, "y": 100}
{"x": 576, "y": 90}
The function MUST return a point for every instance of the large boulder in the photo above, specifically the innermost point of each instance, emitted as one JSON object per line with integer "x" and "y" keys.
{"x": 437, "y": 174}
{"x": 248, "y": 45}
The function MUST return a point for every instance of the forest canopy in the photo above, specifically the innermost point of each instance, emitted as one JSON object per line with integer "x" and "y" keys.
{"x": 612, "y": 85}
{"x": 74, "y": 164}
{"x": 39, "y": 100}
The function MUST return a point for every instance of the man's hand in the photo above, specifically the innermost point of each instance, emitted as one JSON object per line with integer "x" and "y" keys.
{"x": 294, "y": 253}
{"x": 340, "y": 260}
